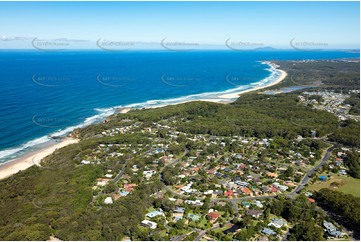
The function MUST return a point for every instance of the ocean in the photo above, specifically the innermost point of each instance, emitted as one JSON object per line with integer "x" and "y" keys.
{"x": 51, "y": 93}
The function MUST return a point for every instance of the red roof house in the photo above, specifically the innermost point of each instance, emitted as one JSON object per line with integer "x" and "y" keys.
{"x": 212, "y": 216}
{"x": 213, "y": 171}
{"x": 274, "y": 189}
{"x": 246, "y": 190}
{"x": 129, "y": 187}
{"x": 311, "y": 200}
{"x": 228, "y": 193}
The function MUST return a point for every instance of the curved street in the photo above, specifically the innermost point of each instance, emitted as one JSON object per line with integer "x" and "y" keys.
{"x": 291, "y": 194}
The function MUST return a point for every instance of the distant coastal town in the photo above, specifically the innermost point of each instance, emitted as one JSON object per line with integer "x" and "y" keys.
{"x": 268, "y": 166}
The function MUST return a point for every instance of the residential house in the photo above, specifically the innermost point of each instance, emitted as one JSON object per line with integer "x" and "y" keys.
{"x": 254, "y": 213}
{"x": 149, "y": 174}
{"x": 273, "y": 189}
{"x": 116, "y": 196}
{"x": 311, "y": 200}
{"x": 212, "y": 217}
{"x": 123, "y": 193}
{"x": 85, "y": 162}
{"x": 129, "y": 187}
{"x": 155, "y": 213}
{"x": 179, "y": 210}
{"x": 196, "y": 202}
{"x": 237, "y": 178}
{"x": 149, "y": 224}
{"x": 246, "y": 191}
{"x": 108, "y": 200}
{"x": 193, "y": 217}
{"x": 265, "y": 189}
{"x": 272, "y": 175}
{"x": 308, "y": 194}
{"x": 331, "y": 229}
{"x": 242, "y": 184}
{"x": 278, "y": 223}
{"x": 208, "y": 192}
{"x": 212, "y": 171}
{"x": 282, "y": 188}
{"x": 228, "y": 193}
{"x": 257, "y": 181}
{"x": 108, "y": 175}
{"x": 246, "y": 204}
{"x": 178, "y": 213}
{"x": 258, "y": 204}
{"x": 102, "y": 181}
{"x": 268, "y": 231}
{"x": 177, "y": 216}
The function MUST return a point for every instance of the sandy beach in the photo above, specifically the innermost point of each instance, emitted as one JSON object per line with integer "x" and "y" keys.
{"x": 34, "y": 158}
{"x": 281, "y": 77}
{"x": 229, "y": 98}
{"x": 124, "y": 110}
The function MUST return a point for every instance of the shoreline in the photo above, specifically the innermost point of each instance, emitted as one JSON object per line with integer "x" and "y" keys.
{"x": 34, "y": 158}
{"x": 281, "y": 77}
{"x": 231, "y": 97}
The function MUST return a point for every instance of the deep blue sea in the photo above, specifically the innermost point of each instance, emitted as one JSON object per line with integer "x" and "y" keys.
{"x": 50, "y": 93}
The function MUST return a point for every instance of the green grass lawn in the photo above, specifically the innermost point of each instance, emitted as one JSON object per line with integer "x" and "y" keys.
{"x": 151, "y": 209}
{"x": 348, "y": 185}
{"x": 227, "y": 226}
{"x": 322, "y": 155}
{"x": 271, "y": 216}
{"x": 220, "y": 212}
{"x": 163, "y": 233}
{"x": 203, "y": 222}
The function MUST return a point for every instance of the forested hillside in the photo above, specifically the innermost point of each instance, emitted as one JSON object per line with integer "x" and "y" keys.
{"x": 56, "y": 199}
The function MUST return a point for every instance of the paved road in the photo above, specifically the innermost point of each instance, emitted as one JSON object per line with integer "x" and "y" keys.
{"x": 235, "y": 200}
{"x": 174, "y": 192}
{"x": 171, "y": 164}
{"x": 179, "y": 238}
{"x": 303, "y": 182}
{"x": 121, "y": 173}
{"x": 182, "y": 236}
{"x": 200, "y": 235}
{"x": 203, "y": 232}
{"x": 284, "y": 237}
{"x": 314, "y": 170}
{"x": 117, "y": 178}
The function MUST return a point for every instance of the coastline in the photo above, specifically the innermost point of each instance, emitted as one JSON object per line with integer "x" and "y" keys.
{"x": 280, "y": 78}
{"x": 231, "y": 97}
{"x": 34, "y": 158}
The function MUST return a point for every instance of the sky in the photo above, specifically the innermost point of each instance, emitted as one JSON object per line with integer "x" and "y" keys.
{"x": 336, "y": 25}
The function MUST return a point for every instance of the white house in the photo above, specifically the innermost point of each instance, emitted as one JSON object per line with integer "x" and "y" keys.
{"x": 108, "y": 200}
{"x": 150, "y": 224}
{"x": 155, "y": 214}
{"x": 278, "y": 223}
{"x": 85, "y": 162}
{"x": 196, "y": 202}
